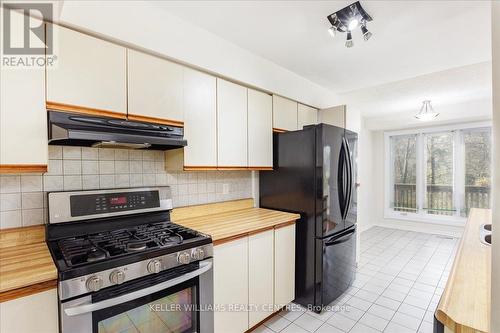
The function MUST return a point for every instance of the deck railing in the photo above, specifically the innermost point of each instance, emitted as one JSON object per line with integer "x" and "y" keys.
{"x": 440, "y": 198}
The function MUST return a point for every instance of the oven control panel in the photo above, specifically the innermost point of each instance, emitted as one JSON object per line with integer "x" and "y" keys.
{"x": 92, "y": 204}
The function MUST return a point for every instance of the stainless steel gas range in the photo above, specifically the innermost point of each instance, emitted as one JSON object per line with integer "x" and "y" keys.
{"x": 123, "y": 266}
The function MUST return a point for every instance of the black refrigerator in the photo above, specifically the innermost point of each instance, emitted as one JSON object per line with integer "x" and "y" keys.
{"x": 315, "y": 176}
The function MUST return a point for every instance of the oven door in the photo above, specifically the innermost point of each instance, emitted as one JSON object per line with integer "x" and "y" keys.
{"x": 175, "y": 301}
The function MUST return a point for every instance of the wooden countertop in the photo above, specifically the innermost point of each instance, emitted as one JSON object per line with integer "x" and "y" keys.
{"x": 26, "y": 265}
{"x": 230, "y": 224}
{"x": 465, "y": 305}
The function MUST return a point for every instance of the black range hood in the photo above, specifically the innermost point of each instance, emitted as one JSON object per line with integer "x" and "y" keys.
{"x": 73, "y": 129}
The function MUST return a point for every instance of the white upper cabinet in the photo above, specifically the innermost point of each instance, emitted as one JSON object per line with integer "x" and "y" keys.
{"x": 155, "y": 89}
{"x": 284, "y": 114}
{"x": 232, "y": 125}
{"x": 200, "y": 119}
{"x": 284, "y": 269}
{"x": 260, "y": 129}
{"x": 335, "y": 116}
{"x": 306, "y": 116}
{"x": 23, "y": 119}
{"x": 260, "y": 276}
{"x": 89, "y": 73}
{"x": 231, "y": 285}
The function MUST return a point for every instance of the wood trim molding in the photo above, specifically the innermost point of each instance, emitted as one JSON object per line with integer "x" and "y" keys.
{"x": 61, "y": 107}
{"x": 27, "y": 291}
{"x": 279, "y": 130}
{"x": 199, "y": 168}
{"x": 163, "y": 121}
{"x": 285, "y": 224}
{"x": 254, "y": 327}
{"x": 23, "y": 168}
{"x": 261, "y": 168}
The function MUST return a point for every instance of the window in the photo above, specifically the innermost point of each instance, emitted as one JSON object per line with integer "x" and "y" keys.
{"x": 438, "y": 175}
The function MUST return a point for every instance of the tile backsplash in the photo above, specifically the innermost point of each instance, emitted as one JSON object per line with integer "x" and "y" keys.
{"x": 23, "y": 197}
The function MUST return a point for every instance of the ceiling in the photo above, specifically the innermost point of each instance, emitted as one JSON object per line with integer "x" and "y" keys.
{"x": 410, "y": 38}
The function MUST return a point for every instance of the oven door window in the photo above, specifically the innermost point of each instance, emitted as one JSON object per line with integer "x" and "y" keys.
{"x": 168, "y": 311}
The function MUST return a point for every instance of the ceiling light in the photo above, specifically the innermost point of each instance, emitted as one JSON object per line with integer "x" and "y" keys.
{"x": 426, "y": 112}
{"x": 366, "y": 34}
{"x": 353, "y": 24}
{"x": 349, "y": 42}
{"x": 348, "y": 19}
{"x": 332, "y": 31}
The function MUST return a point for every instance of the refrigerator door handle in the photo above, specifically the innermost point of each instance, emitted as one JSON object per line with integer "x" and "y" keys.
{"x": 350, "y": 177}
{"x": 341, "y": 180}
{"x": 340, "y": 239}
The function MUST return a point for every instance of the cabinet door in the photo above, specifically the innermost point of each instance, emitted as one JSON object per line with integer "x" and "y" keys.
{"x": 284, "y": 269}
{"x": 23, "y": 118}
{"x": 335, "y": 116}
{"x": 232, "y": 139}
{"x": 260, "y": 129}
{"x": 231, "y": 285}
{"x": 260, "y": 276}
{"x": 41, "y": 309}
{"x": 155, "y": 89}
{"x": 306, "y": 115}
{"x": 284, "y": 114}
{"x": 200, "y": 119}
{"x": 88, "y": 75}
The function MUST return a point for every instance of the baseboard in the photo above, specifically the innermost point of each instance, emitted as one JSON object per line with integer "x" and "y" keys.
{"x": 428, "y": 228}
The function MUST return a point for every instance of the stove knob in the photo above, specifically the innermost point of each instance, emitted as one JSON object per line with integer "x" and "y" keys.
{"x": 117, "y": 277}
{"x": 183, "y": 258}
{"x": 94, "y": 283}
{"x": 154, "y": 266}
{"x": 198, "y": 254}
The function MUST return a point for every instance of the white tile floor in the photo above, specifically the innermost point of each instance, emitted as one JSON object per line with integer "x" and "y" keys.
{"x": 400, "y": 278}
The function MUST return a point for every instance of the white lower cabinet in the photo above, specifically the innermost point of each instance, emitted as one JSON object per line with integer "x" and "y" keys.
{"x": 231, "y": 286}
{"x": 260, "y": 276}
{"x": 33, "y": 313}
{"x": 284, "y": 268}
{"x": 254, "y": 275}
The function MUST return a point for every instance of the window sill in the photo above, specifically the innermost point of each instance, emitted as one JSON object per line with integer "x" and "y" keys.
{"x": 425, "y": 218}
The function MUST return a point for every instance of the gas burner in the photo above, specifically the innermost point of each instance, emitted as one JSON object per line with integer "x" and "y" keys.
{"x": 95, "y": 255}
{"x": 134, "y": 246}
{"x": 86, "y": 249}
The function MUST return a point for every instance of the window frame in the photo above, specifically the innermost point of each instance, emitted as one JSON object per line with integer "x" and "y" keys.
{"x": 458, "y": 174}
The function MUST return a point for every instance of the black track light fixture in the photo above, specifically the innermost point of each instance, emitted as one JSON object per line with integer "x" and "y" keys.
{"x": 348, "y": 19}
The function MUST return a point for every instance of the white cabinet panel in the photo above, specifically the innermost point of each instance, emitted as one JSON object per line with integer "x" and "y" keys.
{"x": 260, "y": 276}
{"x": 260, "y": 129}
{"x": 284, "y": 269}
{"x": 155, "y": 87}
{"x": 231, "y": 285}
{"x": 232, "y": 125}
{"x": 284, "y": 113}
{"x": 88, "y": 72}
{"x": 306, "y": 115}
{"x": 335, "y": 116}
{"x": 200, "y": 119}
{"x": 34, "y": 313}
{"x": 23, "y": 118}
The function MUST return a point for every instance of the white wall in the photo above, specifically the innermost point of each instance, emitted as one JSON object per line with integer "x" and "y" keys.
{"x": 140, "y": 24}
{"x": 495, "y": 271}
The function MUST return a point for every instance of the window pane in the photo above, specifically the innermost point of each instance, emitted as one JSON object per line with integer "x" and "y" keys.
{"x": 439, "y": 173}
{"x": 477, "y": 169}
{"x": 404, "y": 164}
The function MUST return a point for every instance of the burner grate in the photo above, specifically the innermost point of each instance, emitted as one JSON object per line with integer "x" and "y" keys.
{"x": 105, "y": 245}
